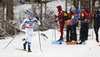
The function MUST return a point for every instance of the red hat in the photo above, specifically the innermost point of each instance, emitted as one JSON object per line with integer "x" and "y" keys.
{"x": 84, "y": 7}
{"x": 59, "y": 8}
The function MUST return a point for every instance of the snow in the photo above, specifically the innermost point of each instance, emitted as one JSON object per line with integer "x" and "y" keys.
{"x": 52, "y": 6}
{"x": 91, "y": 49}
{"x": 19, "y": 10}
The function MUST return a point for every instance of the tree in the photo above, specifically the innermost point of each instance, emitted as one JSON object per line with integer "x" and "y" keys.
{"x": 9, "y": 17}
{"x": 9, "y": 6}
{"x": 66, "y": 5}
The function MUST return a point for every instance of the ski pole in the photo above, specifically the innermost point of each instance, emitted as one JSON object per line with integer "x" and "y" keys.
{"x": 9, "y": 43}
{"x": 92, "y": 27}
{"x": 39, "y": 39}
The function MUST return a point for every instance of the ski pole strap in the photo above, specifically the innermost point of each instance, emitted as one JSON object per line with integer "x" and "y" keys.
{"x": 92, "y": 23}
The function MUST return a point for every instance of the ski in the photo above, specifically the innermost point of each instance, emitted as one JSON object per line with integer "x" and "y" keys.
{"x": 71, "y": 43}
{"x": 22, "y": 50}
{"x": 58, "y": 42}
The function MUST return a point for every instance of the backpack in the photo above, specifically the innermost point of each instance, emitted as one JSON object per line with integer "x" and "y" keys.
{"x": 65, "y": 17}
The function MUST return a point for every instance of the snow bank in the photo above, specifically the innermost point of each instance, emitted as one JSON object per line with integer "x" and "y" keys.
{"x": 90, "y": 45}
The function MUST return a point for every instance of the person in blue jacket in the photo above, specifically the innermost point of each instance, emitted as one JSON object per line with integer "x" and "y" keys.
{"x": 74, "y": 22}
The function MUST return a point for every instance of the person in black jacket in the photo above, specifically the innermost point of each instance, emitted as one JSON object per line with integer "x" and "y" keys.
{"x": 96, "y": 18}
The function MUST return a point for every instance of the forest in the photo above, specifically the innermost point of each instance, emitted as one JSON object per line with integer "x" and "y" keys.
{"x": 9, "y": 25}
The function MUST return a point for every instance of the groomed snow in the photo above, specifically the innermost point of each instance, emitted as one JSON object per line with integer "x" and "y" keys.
{"x": 91, "y": 49}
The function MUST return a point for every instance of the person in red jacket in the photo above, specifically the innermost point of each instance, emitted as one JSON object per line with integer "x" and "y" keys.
{"x": 60, "y": 19}
{"x": 85, "y": 20}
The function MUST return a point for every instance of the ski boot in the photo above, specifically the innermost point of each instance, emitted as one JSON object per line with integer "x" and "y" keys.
{"x": 29, "y": 50}
{"x": 98, "y": 41}
{"x": 73, "y": 41}
{"x": 61, "y": 38}
{"x": 24, "y": 46}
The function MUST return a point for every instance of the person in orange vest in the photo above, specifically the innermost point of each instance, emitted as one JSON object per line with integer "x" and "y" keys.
{"x": 74, "y": 22}
{"x": 68, "y": 29}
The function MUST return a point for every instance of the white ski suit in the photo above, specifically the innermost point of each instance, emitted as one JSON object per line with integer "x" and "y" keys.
{"x": 29, "y": 27}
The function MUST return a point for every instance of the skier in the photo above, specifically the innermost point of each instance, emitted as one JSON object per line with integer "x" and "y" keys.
{"x": 61, "y": 22}
{"x": 85, "y": 20}
{"x": 96, "y": 18}
{"x": 68, "y": 29}
{"x": 29, "y": 22}
{"x": 74, "y": 22}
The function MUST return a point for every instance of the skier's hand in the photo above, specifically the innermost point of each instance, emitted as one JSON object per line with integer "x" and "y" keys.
{"x": 18, "y": 31}
{"x": 37, "y": 18}
{"x": 55, "y": 21}
{"x": 55, "y": 16}
{"x": 23, "y": 39}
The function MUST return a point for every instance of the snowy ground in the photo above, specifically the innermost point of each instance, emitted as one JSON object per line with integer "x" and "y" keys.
{"x": 91, "y": 49}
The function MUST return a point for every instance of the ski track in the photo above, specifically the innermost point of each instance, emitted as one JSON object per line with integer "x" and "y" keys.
{"x": 49, "y": 50}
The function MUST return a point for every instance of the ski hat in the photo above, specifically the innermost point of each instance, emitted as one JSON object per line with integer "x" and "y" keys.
{"x": 59, "y": 8}
{"x": 84, "y": 7}
{"x": 31, "y": 14}
{"x": 81, "y": 7}
{"x": 77, "y": 11}
{"x": 73, "y": 8}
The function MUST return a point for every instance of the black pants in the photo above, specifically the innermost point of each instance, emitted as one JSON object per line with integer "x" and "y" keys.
{"x": 96, "y": 29}
{"x": 84, "y": 31}
{"x": 74, "y": 35}
{"x": 83, "y": 36}
{"x": 68, "y": 33}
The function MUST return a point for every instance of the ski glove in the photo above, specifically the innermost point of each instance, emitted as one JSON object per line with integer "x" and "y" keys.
{"x": 18, "y": 31}
{"x": 37, "y": 18}
{"x": 55, "y": 21}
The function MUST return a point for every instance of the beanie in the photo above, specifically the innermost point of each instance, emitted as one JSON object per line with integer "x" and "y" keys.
{"x": 81, "y": 7}
{"x": 59, "y": 8}
{"x": 31, "y": 14}
{"x": 73, "y": 8}
{"x": 84, "y": 7}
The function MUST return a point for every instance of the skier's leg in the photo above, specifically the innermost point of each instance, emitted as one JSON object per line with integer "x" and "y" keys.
{"x": 86, "y": 33}
{"x": 67, "y": 33}
{"x": 61, "y": 31}
{"x": 29, "y": 38}
{"x": 24, "y": 45}
{"x": 29, "y": 47}
{"x": 81, "y": 37}
{"x": 96, "y": 32}
{"x": 26, "y": 41}
{"x": 73, "y": 28}
{"x": 29, "y": 41}
{"x": 75, "y": 32}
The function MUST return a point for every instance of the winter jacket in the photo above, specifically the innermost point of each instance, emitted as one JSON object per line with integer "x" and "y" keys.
{"x": 96, "y": 17}
{"x": 75, "y": 17}
{"x": 60, "y": 14}
{"x": 85, "y": 17}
